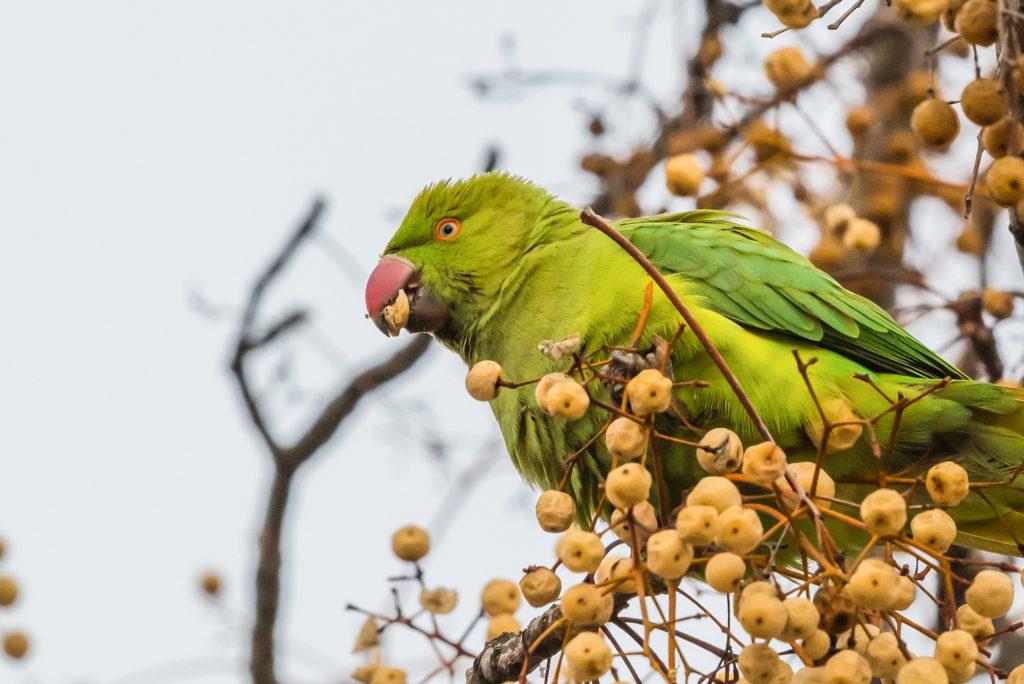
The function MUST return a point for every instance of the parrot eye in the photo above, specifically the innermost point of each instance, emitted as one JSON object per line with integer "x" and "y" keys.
{"x": 447, "y": 228}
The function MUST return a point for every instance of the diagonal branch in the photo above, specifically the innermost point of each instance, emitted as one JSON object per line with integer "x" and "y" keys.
{"x": 591, "y": 219}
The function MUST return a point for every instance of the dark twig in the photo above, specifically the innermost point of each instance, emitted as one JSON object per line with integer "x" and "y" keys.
{"x": 287, "y": 459}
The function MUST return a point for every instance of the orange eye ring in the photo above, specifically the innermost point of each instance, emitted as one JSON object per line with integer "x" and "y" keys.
{"x": 447, "y": 228}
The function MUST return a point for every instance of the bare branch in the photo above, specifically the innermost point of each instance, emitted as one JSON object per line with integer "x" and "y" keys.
{"x": 288, "y": 459}
{"x": 502, "y": 659}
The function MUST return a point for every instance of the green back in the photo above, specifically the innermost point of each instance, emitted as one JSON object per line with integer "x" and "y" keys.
{"x": 752, "y": 278}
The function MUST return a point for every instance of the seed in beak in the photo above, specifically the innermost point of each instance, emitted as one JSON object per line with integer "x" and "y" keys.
{"x": 396, "y": 315}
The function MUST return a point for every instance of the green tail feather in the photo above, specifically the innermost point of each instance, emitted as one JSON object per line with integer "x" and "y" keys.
{"x": 980, "y": 426}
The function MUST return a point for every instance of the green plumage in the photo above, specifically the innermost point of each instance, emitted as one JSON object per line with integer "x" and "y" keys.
{"x": 525, "y": 269}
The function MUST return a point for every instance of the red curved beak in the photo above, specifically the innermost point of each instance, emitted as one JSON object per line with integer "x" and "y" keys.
{"x": 396, "y": 281}
{"x": 392, "y": 274}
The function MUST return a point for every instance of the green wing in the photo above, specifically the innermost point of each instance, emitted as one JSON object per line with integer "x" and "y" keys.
{"x": 755, "y": 280}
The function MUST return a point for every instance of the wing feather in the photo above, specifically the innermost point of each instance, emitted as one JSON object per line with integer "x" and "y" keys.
{"x": 752, "y": 278}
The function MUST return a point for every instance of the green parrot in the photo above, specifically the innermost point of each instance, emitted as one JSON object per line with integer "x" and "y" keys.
{"x": 493, "y": 265}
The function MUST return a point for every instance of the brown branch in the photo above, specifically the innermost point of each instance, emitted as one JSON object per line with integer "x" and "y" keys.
{"x": 506, "y": 657}
{"x": 287, "y": 459}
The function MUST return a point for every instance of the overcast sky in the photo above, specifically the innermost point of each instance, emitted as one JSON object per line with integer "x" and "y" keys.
{"x": 154, "y": 155}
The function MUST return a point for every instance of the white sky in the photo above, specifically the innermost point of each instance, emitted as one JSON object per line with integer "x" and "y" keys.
{"x": 149, "y": 150}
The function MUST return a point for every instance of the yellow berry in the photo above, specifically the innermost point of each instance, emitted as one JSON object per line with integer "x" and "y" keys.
{"x": 787, "y": 69}
{"x": 805, "y": 473}
{"x": 364, "y": 673}
{"x": 579, "y": 551}
{"x": 644, "y": 522}
{"x": 668, "y": 556}
{"x": 410, "y": 543}
{"x": 828, "y": 253}
{"x": 209, "y": 583}
{"x": 482, "y": 380}
{"x": 983, "y": 101}
{"x": 997, "y": 303}
{"x": 935, "y": 529}
{"x": 978, "y": 21}
{"x": 817, "y": 645}
{"x": 783, "y": 674}
{"x": 906, "y": 593}
{"x": 697, "y": 525}
{"x": 584, "y": 606}
{"x": 544, "y": 385}
{"x": 387, "y": 675}
{"x": 764, "y": 463}
{"x": 762, "y": 615}
{"x": 1005, "y": 180}
{"x": 1016, "y": 675}
{"x": 16, "y": 644}
{"x": 720, "y": 451}
{"x": 625, "y": 439}
{"x": 970, "y": 241}
{"x": 981, "y": 628}
{"x": 714, "y": 491}
{"x": 837, "y": 217}
{"x": 922, "y": 671}
{"x": 555, "y": 511}
{"x": 739, "y": 530}
{"x": 874, "y": 584}
{"x": 367, "y": 637}
{"x": 919, "y": 12}
{"x": 758, "y": 663}
{"x": 801, "y": 618}
{"x": 500, "y": 596}
{"x": 884, "y": 512}
{"x": 996, "y": 138}
{"x": 649, "y": 392}
{"x": 628, "y": 485}
{"x": 439, "y": 601}
{"x": 847, "y": 667}
{"x": 758, "y": 587}
{"x": 683, "y": 175}
{"x": 8, "y": 591}
{"x": 990, "y": 594}
{"x": 617, "y": 573}
{"x": 858, "y": 120}
{"x": 947, "y": 483}
{"x": 809, "y": 675}
{"x": 861, "y": 235}
{"x": 935, "y": 123}
{"x": 588, "y": 657}
{"x": 956, "y": 650}
{"x": 800, "y": 18}
{"x": 884, "y": 656}
{"x": 724, "y": 572}
{"x": 540, "y": 586}
{"x": 567, "y": 400}
{"x": 500, "y": 624}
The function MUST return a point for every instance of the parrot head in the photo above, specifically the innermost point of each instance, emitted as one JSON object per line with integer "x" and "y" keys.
{"x": 452, "y": 252}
